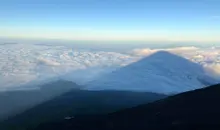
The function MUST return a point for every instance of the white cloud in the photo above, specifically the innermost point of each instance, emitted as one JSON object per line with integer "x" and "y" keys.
{"x": 213, "y": 69}
{"x": 48, "y": 62}
{"x": 27, "y": 63}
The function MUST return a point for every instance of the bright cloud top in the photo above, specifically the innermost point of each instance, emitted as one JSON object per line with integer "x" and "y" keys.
{"x": 22, "y": 63}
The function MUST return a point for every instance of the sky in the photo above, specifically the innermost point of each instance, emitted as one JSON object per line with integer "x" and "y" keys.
{"x": 126, "y": 20}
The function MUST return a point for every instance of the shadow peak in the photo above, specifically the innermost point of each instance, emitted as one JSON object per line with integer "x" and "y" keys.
{"x": 165, "y": 55}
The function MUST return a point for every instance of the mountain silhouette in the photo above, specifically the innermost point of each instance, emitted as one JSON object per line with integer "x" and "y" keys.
{"x": 161, "y": 72}
{"x": 198, "y": 109}
{"x": 79, "y": 102}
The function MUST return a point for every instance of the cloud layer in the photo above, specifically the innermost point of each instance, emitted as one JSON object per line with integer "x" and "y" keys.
{"x": 22, "y": 63}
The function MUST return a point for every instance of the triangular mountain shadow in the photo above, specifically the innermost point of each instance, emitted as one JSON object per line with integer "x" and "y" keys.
{"x": 163, "y": 59}
{"x": 161, "y": 72}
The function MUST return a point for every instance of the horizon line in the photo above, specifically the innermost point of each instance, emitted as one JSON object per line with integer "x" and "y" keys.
{"x": 108, "y": 40}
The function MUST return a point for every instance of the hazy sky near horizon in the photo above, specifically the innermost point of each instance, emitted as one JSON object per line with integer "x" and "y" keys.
{"x": 161, "y": 20}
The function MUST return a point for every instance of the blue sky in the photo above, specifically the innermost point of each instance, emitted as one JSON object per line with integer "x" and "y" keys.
{"x": 142, "y": 20}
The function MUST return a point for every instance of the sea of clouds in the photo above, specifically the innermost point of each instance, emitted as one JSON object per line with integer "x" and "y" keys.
{"x": 28, "y": 64}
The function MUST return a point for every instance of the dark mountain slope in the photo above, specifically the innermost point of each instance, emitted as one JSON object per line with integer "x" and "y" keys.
{"x": 194, "y": 109}
{"x": 79, "y": 102}
{"x": 17, "y": 101}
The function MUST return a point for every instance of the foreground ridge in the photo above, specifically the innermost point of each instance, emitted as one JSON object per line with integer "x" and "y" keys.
{"x": 192, "y": 109}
